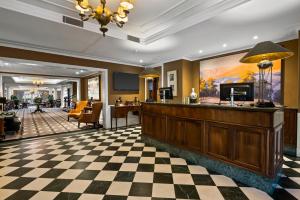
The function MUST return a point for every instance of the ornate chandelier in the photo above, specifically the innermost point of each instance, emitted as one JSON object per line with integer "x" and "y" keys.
{"x": 38, "y": 83}
{"x": 103, "y": 14}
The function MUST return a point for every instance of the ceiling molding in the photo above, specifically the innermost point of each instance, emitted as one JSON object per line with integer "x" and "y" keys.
{"x": 190, "y": 17}
{"x": 38, "y": 48}
{"x": 28, "y": 9}
{"x": 178, "y": 17}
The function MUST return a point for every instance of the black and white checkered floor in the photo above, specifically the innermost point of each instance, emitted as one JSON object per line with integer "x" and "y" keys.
{"x": 117, "y": 165}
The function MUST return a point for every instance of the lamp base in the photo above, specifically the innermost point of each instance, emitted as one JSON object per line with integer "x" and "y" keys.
{"x": 269, "y": 104}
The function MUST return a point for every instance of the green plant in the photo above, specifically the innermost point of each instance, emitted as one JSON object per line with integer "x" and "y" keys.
{"x": 37, "y": 100}
{"x": 15, "y": 100}
{"x": 51, "y": 100}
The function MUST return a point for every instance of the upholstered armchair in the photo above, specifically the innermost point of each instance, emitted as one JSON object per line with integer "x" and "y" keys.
{"x": 75, "y": 113}
{"x": 91, "y": 117}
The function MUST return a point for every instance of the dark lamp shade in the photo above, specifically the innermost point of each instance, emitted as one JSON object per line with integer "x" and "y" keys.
{"x": 149, "y": 73}
{"x": 266, "y": 51}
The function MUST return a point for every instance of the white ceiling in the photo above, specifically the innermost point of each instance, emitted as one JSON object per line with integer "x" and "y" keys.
{"x": 168, "y": 29}
{"x": 31, "y": 80}
{"x": 9, "y": 65}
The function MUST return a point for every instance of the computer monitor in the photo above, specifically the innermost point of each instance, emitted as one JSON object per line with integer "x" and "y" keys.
{"x": 166, "y": 93}
{"x": 242, "y": 91}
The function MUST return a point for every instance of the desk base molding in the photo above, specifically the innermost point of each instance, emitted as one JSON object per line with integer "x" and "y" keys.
{"x": 244, "y": 176}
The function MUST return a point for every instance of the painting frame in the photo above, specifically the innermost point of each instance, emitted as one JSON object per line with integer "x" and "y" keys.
{"x": 94, "y": 88}
{"x": 227, "y": 69}
{"x": 172, "y": 81}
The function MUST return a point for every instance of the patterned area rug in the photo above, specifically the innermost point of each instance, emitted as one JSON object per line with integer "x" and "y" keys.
{"x": 118, "y": 165}
{"x": 54, "y": 120}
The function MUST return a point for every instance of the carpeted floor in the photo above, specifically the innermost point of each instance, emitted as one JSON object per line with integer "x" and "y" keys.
{"x": 54, "y": 120}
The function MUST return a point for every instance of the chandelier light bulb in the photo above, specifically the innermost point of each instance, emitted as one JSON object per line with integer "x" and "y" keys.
{"x": 121, "y": 12}
{"x": 127, "y": 4}
{"x": 121, "y": 19}
{"x": 82, "y": 6}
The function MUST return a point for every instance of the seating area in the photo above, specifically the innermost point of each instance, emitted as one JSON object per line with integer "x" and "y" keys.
{"x": 149, "y": 100}
{"x": 79, "y": 107}
{"x": 24, "y": 123}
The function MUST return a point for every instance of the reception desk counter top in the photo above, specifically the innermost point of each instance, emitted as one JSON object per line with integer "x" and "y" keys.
{"x": 244, "y": 143}
{"x": 221, "y": 106}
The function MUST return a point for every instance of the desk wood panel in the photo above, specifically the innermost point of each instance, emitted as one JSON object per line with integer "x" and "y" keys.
{"x": 250, "y": 139}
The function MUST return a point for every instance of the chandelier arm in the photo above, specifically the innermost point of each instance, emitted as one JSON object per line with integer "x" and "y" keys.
{"x": 104, "y": 17}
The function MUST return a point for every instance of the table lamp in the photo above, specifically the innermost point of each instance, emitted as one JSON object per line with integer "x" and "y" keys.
{"x": 263, "y": 54}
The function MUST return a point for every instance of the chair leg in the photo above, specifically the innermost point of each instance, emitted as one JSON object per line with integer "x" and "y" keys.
{"x": 78, "y": 124}
{"x": 116, "y": 123}
{"x": 94, "y": 124}
{"x": 68, "y": 118}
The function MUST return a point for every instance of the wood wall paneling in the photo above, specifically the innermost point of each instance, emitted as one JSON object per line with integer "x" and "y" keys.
{"x": 239, "y": 139}
{"x": 290, "y": 127}
{"x": 218, "y": 139}
{"x": 194, "y": 135}
{"x": 251, "y": 148}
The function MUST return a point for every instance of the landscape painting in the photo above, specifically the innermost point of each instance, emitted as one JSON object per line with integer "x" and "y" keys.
{"x": 228, "y": 69}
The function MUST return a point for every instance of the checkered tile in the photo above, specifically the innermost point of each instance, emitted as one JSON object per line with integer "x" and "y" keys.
{"x": 117, "y": 165}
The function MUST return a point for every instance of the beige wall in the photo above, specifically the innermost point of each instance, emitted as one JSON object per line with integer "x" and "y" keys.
{"x": 175, "y": 65}
{"x": 188, "y": 75}
{"x": 54, "y": 58}
{"x": 291, "y": 75}
{"x": 187, "y": 78}
{"x": 126, "y": 96}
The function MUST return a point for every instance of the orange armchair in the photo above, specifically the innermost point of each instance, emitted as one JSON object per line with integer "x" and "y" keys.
{"x": 75, "y": 113}
{"x": 91, "y": 117}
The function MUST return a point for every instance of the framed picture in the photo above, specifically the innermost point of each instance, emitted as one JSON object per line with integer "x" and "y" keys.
{"x": 228, "y": 69}
{"x": 172, "y": 81}
{"x": 93, "y": 88}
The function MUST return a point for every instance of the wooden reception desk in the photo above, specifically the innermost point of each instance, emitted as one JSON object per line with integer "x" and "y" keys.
{"x": 247, "y": 138}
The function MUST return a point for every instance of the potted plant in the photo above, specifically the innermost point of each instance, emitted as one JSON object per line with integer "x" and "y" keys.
{"x": 51, "y": 100}
{"x": 16, "y": 101}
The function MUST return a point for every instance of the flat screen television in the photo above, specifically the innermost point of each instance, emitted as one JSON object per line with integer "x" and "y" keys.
{"x": 166, "y": 93}
{"x": 125, "y": 81}
{"x": 243, "y": 91}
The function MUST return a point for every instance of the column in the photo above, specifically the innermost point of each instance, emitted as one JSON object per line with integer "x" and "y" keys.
{"x": 1, "y": 86}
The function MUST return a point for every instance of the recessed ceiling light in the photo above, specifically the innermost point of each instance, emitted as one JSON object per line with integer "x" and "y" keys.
{"x": 77, "y": 73}
{"x": 6, "y": 64}
{"x": 225, "y": 45}
{"x": 200, "y": 51}
{"x": 141, "y": 61}
{"x": 255, "y": 37}
{"x": 82, "y": 70}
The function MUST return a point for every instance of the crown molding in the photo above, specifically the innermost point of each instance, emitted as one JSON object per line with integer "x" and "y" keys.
{"x": 188, "y": 15}
{"x": 178, "y": 17}
{"x": 35, "y": 11}
{"x": 38, "y": 48}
